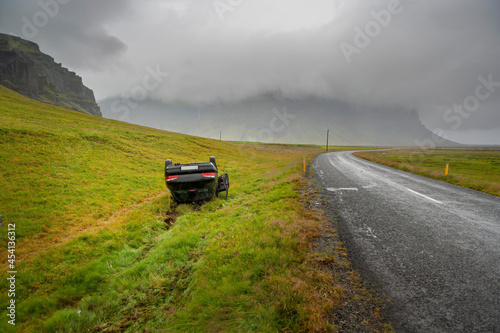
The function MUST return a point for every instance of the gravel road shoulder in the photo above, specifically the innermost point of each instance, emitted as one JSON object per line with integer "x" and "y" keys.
{"x": 362, "y": 308}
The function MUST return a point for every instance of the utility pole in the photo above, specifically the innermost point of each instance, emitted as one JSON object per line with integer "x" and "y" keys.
{"x": 327, "y": 132}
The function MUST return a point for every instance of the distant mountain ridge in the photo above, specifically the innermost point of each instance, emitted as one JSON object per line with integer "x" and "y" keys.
{"x": 26, "y": 70}
{"x": 272, "y": 118}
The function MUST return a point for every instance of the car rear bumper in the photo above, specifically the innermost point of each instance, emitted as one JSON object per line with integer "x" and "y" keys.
{"x": 193, "y": 187}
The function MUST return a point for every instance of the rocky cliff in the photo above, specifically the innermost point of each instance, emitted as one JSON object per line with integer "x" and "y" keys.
{"x": 26, "y": 70}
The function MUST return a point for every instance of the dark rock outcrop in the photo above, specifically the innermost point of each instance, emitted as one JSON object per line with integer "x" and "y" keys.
{"x": 26, "y": 70}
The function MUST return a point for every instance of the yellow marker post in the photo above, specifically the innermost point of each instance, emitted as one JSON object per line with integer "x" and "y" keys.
{"x": 446, "y": 170}
{"x": 304, "y": 159}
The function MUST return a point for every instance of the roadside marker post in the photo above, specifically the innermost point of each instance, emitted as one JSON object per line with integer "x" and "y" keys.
{"x": 446, "y": 169}
{"x": 327, "y": 133}
{"x": 304, "y": 160}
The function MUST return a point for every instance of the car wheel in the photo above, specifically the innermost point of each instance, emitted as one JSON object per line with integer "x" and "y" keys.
{"x": 212, "y": 159}
{"x": 167, "y": 163}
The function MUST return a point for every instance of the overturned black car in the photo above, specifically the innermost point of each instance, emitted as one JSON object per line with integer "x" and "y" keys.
{"x": 195, "y": 182}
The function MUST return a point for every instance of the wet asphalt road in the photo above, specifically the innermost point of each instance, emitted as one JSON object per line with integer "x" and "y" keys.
{"x": 432, "y": 247}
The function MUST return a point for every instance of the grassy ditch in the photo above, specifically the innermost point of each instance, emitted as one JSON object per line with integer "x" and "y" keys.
{"x": 101, "y": 247}
{"x": 478, "y": 169}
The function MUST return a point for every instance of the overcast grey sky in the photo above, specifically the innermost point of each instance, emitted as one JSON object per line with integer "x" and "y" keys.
{"x": 441, "y": 58}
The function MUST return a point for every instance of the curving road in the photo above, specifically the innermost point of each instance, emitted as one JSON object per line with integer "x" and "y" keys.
{"x": 432, "y": 247}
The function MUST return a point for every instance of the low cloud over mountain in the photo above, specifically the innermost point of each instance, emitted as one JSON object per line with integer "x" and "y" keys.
{"x": 394, "y": 56}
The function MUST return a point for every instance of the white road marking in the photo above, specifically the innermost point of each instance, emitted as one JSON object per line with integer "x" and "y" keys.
{"x": 369, "y": 231}
{"x": 429, "y": 198}
{"x": 331, "y": 189}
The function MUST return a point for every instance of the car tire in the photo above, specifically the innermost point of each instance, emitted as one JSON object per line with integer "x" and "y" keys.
{"x": 167, "y": 163}
{"x": 212, "y": 159}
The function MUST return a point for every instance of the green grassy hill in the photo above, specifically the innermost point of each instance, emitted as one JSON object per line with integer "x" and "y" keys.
{"x": 100, "y": 247}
